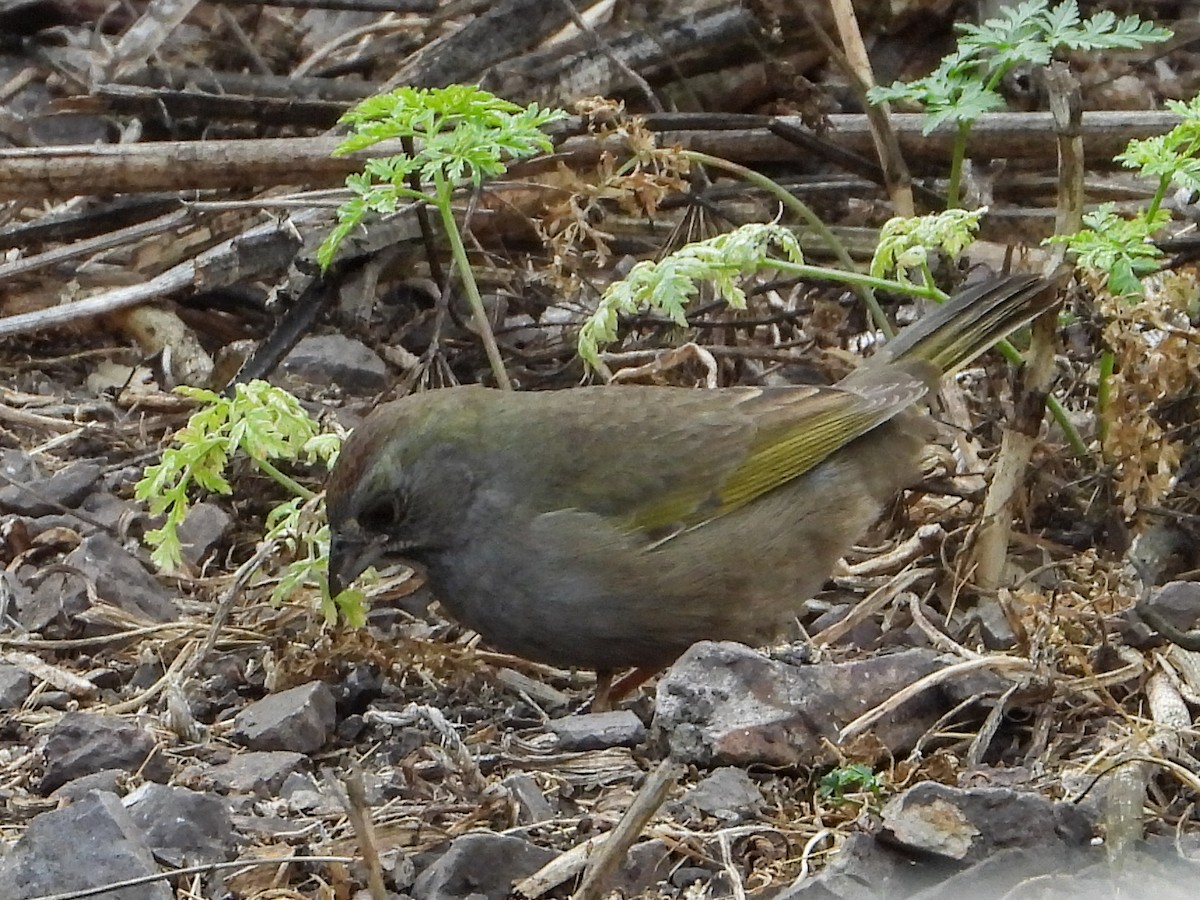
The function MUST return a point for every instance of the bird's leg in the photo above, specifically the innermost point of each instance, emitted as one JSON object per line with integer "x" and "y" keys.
{"x": 610, "y": 690}
{"x": 630, "y": 682}
{"x": 601, "y": 699}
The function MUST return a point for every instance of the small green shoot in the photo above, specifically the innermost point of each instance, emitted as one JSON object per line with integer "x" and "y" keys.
{"x": 1121, "y": 249}
{"x": 842, "y": 784}
{"x": 264, "y": 424}
{"x": 905, "y": 243}
{"x": 460, "y": 135}
{"x": 668, "y": 285}
{"x": 965, "y": 85}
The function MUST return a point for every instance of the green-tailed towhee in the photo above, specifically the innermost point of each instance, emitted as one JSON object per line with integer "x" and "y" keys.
{"x": 612, "y": 527}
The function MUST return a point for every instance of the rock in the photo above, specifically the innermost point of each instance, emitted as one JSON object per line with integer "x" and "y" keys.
{"x": 32, "y": 493}
{"x": 598, "y": 731}
{"x": 110, "y": 781}
{"x": 83, "y": 743}
{"x": 728, "y": 795}
{"x": 532, "y": 805}
{"x": 88, "y": 844}
{"x": 480, "y": 864}
{"x": 971, "y": 824}
{"x": 863, "y": 869}
{"x": 121, "y": 580}
{"x": 303, "y": 794}
{"x": 205, "y": 526}
{"x": 646, "y": 865}
{"x": 15, "y": 685}
{"x": 328, "y": 359}
{"x": 725, "y": 704}
{"x": 58, "y": 598}
{"x": 261, "y": 774}
{"x": 300, "y": 719}
{"x": 182, "y": 827}
{"x": 356, "y": 690}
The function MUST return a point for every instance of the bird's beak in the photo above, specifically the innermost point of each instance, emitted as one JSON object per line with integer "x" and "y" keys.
{"x": 349, "y": 558}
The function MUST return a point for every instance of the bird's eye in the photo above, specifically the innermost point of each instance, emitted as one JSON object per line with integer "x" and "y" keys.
{"x": 384, "y": 514}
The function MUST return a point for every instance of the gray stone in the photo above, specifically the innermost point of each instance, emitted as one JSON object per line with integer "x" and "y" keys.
{"x": 183, "y": 827}
{"x": 39, "y": 495}
{"x": 261, "y": 774}
{"x": 480, "y": 864}
{"x": 57, "y": 599}
{"x": 15, "y": 685}
{"x": 725, "y": 704}
{"x": 971, "y": 824}
{"x": 90, "y": 843}
{"x": 122, "y": 580}
{"x": 205, "y": 525}
{"x": 328, "y": 359}
{"x": 111, "y": 781}
{"x": 532, "y": 805}
{"x": 83, "y": 743}
{"x": 728, "y": 795}
{"x": 300, "y": 719}
{"x": 597, "y": 731}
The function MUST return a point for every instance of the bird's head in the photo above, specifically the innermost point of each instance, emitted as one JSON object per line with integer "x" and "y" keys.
{"x": 400, "y": 490}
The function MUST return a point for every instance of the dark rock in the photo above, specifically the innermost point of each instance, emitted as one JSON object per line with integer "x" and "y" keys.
{"x": 52, "y": 700}
{"x": 205, "y": 526}
{"x": 183, "y": 827}
{"x": 111, "y": 781}
{"x": 106, "y": 678}
{"x": 34, "y": 494}
{"x": 110, "y": 510}
{"x": 532, "y": 805}
{"x": 303, "y": 794}
{"x": 1002, "y": 873}
{"x": 863, "y": 869}
{"x": 58, "y": 598}
{"x": 15, "y": 685}
{"x": 300, "y": 719}
{"x": 727, "y": 795}
{"x": 261, "y": 774}
{"x": 1179, "y": 603}
{"x": 725, "y": 704}
{"x": 597, "y": 731}
{"x": 645, "y": 865}
{"x": 994, "y": 627}
{"x": 92, "y": 842}
{"x": 83, "y": 743}
{"x": 968, "y": 825}
{"x": 481, "y": 864}
{"x": 121, "y": 580}
{"x": 356, "y": 690}
{"x": 329, "y": 359}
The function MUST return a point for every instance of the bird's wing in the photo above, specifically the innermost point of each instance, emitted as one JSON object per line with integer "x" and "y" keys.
{"x": 793, "y": 430}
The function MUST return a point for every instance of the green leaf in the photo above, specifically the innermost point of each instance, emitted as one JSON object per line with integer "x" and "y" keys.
{"x": 461, "y": 134}
{"x": 669, "y": 284}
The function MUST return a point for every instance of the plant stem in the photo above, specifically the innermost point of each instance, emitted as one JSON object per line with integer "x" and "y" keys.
{"x": 285, "y": 480}
{"x": 956, "y": 164}
{"x": 443, "y": 194}
{"x": 801, "y": 209}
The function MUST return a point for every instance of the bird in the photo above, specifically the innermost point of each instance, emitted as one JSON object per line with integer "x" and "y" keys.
{"x": 611, "y": 527}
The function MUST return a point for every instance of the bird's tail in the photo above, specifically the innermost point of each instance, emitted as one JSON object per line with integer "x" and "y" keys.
{"x": 970, "y": 322}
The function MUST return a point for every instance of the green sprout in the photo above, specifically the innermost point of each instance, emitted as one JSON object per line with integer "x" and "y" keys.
{"x": 669, "y": 284}
{"x": 460, "y": 135}
{"x": 264, "y": 424}
{"x": 905, "y": 243}
{"x": 965, "y": 85}
{"x": 1122, "y": 249}
{"x": 840, "y": 784}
